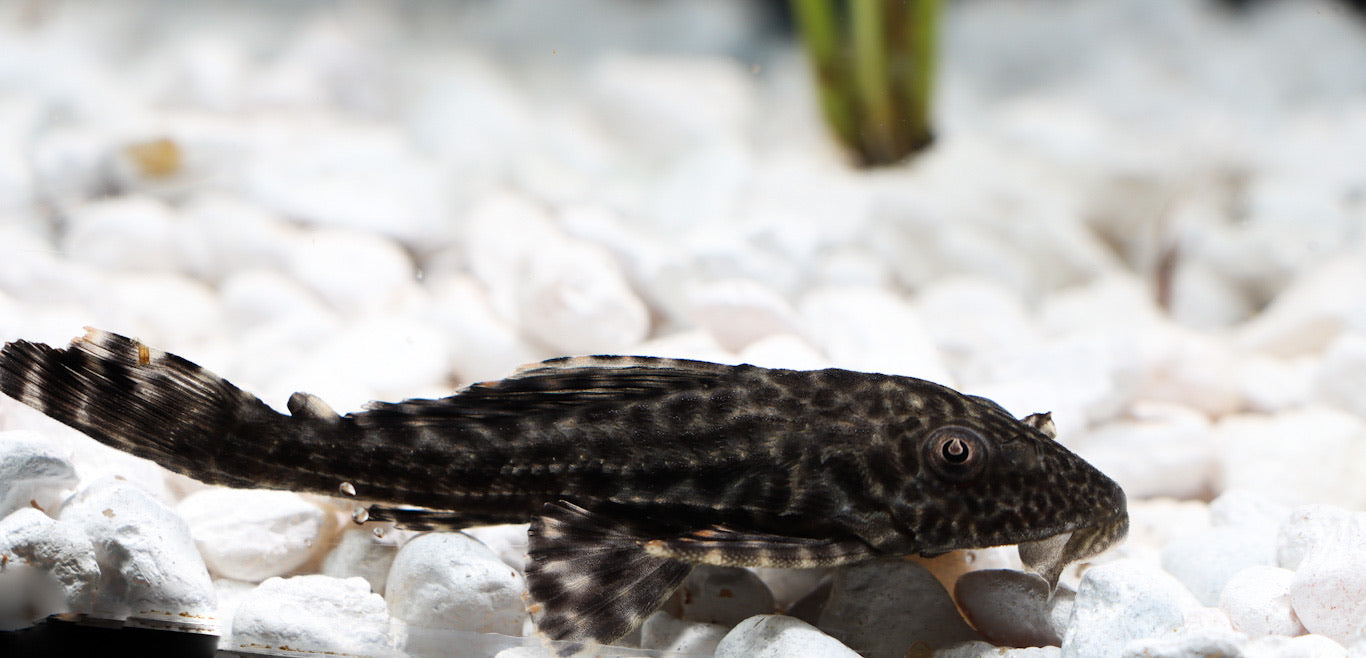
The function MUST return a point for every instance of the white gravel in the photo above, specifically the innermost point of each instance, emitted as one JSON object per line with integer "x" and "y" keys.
{"x": 372, "y": 201}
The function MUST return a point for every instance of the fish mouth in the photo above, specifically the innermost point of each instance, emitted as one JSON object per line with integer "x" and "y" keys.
{"x": 1050, "y": 555}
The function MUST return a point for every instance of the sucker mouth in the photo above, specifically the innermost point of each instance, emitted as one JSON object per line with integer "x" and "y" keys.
{"x": 1049, "y": 556}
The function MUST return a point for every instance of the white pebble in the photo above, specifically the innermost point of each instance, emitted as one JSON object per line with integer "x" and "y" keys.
{"x": 125, "y": 233}
{"x": 724, "y": 595}
{"x": 1304, "y": 646}
{"x": 1008, "y": 607}
{"x": 783, "y": 351}
{"x": 1156, "y": 449}
{"x": 509, "y": 541}
{"x": 738, "y": 312}
{"x": 1341, "y": 377}
{"x": 1326, "y": 547}
{"x": 1257, "y": 602}
{"x": 148, "y": 561}
{"x": 668, "y": 104}
{"x": 394, "y": 356}
{"x": 1313, "y": 310}
{"x": 662, "y": 632}
{"x": 451, "y": 581}
{"x": 483, "y": 346}
{"x": 776, "y": 636}
{"x": 1187, "y": 643}
{"x": 53, "y": 553}
{"x": 977, "y": 649}
{"x": 313, "y": 614}
{"x": 224, "y": 234}
{"x": 1326, "y": 463}
{"x": 886, "y": 606}
{"x": 356, "y": 273}
{"x": 1122, "y": 601}
{"x": 1189, "y": 368}
{"x": 871, "y": 330}
{"x": 1271, "y": 384}
{"x": 32, "y": 468}
{"x": 1206, "y": 560}
{"x": 253, "y": 534}
{"x": 974, "y": 318}
{"x": 255, "y": 297}
{"x": 359, "y": 553}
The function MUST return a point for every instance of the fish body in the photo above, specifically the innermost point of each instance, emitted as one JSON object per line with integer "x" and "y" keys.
{"x": 629, "y": 469}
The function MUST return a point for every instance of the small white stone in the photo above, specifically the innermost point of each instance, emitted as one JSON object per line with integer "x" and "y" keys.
{"x": 871, "y": 330}
{"x": 977, "y": 649}
{"x": 1008, "y": 607}
{"x": 1304, "y": 646}
{"x": 253, "y": 534}
{"x": 1248, "y": 509}
{"x": 1189, "y": 368}
{"x": 32, "y": 468}
{"x": 1270, "y": 384}
{"x": 356, "y": 273}
{"x": 55, "y": 553}
{"x": 149, "y": 566}
{"x": 483, "y": 346}
{"x": 1313, "y": 310}
{"x": 1157, "y": 449}
{"x": 509, "y": 541}
{"x": 451, "y": 581}
{"x": 125, "y": 233}
{"x": 395, "y": 357}
{"x": 665, "y": 104}
{"x": 662, "y": 632}
{"x": 1326, "y": 547}
{"x": 1187, "y": 643}
{"x": 1325, "y": 463}
{"x": 1341, "y": 377}
{"x": 776, "y": 636}
{"x": 886, "y": 606}
{"x": 724, "y": 595}
{"x": 169, "y": 310}
{"x": 783, "y": 351}
{"x": 1257, "y": 601}
{"x": 1206, "y": 560}
{"x": 739, "y": 312}
{"x": 974, "y": 318}
{"x": 224, "y": 234}
{"x": 313, "y": 614}
{"x": 1122, "y": 601}
{"x": 256, "y": 297}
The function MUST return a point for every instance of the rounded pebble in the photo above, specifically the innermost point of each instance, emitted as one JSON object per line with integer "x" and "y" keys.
{"x": 254, "y": 534}
{"x": 1257, "y": 602}
{"x": 776, "y": 636}
{"x": 723, "y": 595}
{"x": 1122, "y": 601}
{"x": 885, "y": 607}
{"x": 321, "y": 613}
{"x": 32, "y": 468}
{"x": 55, "y": 553}
{"x": 451, "y": 581}
{"x": 662, "y": 632}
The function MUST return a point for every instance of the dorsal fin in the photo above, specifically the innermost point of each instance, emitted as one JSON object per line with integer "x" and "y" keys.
{"x": 568, "y": 383}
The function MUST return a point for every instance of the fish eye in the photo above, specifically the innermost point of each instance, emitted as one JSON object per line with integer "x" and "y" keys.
{"x": 956, "y": 453}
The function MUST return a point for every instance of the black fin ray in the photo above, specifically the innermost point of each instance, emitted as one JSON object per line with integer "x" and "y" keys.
{"x": 560, "y": 385}
{"x": 591, "y": 577}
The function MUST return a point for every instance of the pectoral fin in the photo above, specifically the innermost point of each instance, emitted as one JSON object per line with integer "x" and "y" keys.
{"x": 592, "y": 577}
{"x": 729, "y": 548}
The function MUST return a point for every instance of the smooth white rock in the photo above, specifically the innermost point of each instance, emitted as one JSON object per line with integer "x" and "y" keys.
{"x": 662, "y": 632}
{"x": 1257, "y": 602}
{"x": 168, "y": 310}
{"x": 396, "y": 357}
{"x": 359, "y": 553}
{"x": 1303, "y": 646}
{"x": 883, "y": 607}
{"x": 1156, "y": 449}
{"x": 871, "y": 330}
{"x": 255, "y": 297}
{"x": 790, "y": 585}
{"x": 1314, "y": 309}
{"x": 1122, "y": 601}
{"x": 1326, "y": 547}
{"x": 1271, "y": 384}
{"x": 148, "y": 562}
{"x": 662, "y": 104}
{"x": 1190, "y": 368}
{"x": 974, "y": 318}
{"x": 724, "y": 595}
{"x": 783, "y": 351}
{"x": 1206, "y": 560}
{"x": 978, "y": 649}
{"x": 1325, "y": 463}
{"x": 314, "y": 614}
{"x": 54, "y": 553}
{"x": 355, "y": 272}
{"x": 70, "y": 163}
{"x": 1248, "y": 509}
{"x": 739, "y": 312}
{"x": 32, "y": 468}
{"x": 254, "y": 534}
{"x": 509, "y": 541}
{"x": 483, "y": 345}
{"x": 451, "y": 581}
{"x": 1008, "y": 607}
{"x": 1341, "y": 376}
{"x": 776, "y": 636}
{"x": 224, "y": 234}
{"x": 1187, "y": 643}
{"x": 125, "y": 233}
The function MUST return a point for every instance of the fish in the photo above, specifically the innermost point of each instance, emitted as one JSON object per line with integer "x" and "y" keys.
{"x": 629, "y": 470}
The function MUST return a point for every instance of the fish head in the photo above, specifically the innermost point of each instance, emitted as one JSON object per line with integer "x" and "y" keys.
{"x": 985, "y": 478}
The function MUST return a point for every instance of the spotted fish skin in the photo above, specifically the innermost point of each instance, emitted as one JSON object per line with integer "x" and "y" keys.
{"x": 630, "y": 469}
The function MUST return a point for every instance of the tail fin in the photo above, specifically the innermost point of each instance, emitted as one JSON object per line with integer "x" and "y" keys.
{"x": 162, "y": 407}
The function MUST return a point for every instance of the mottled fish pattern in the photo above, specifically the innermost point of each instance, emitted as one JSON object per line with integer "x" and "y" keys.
{"x": 630, "y": 470}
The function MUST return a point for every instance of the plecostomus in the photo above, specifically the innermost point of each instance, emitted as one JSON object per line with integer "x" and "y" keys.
{"x": 630, "y": 470}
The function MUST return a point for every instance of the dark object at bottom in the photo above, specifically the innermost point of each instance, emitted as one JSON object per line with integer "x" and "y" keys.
{"x": 54, "y": 638}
